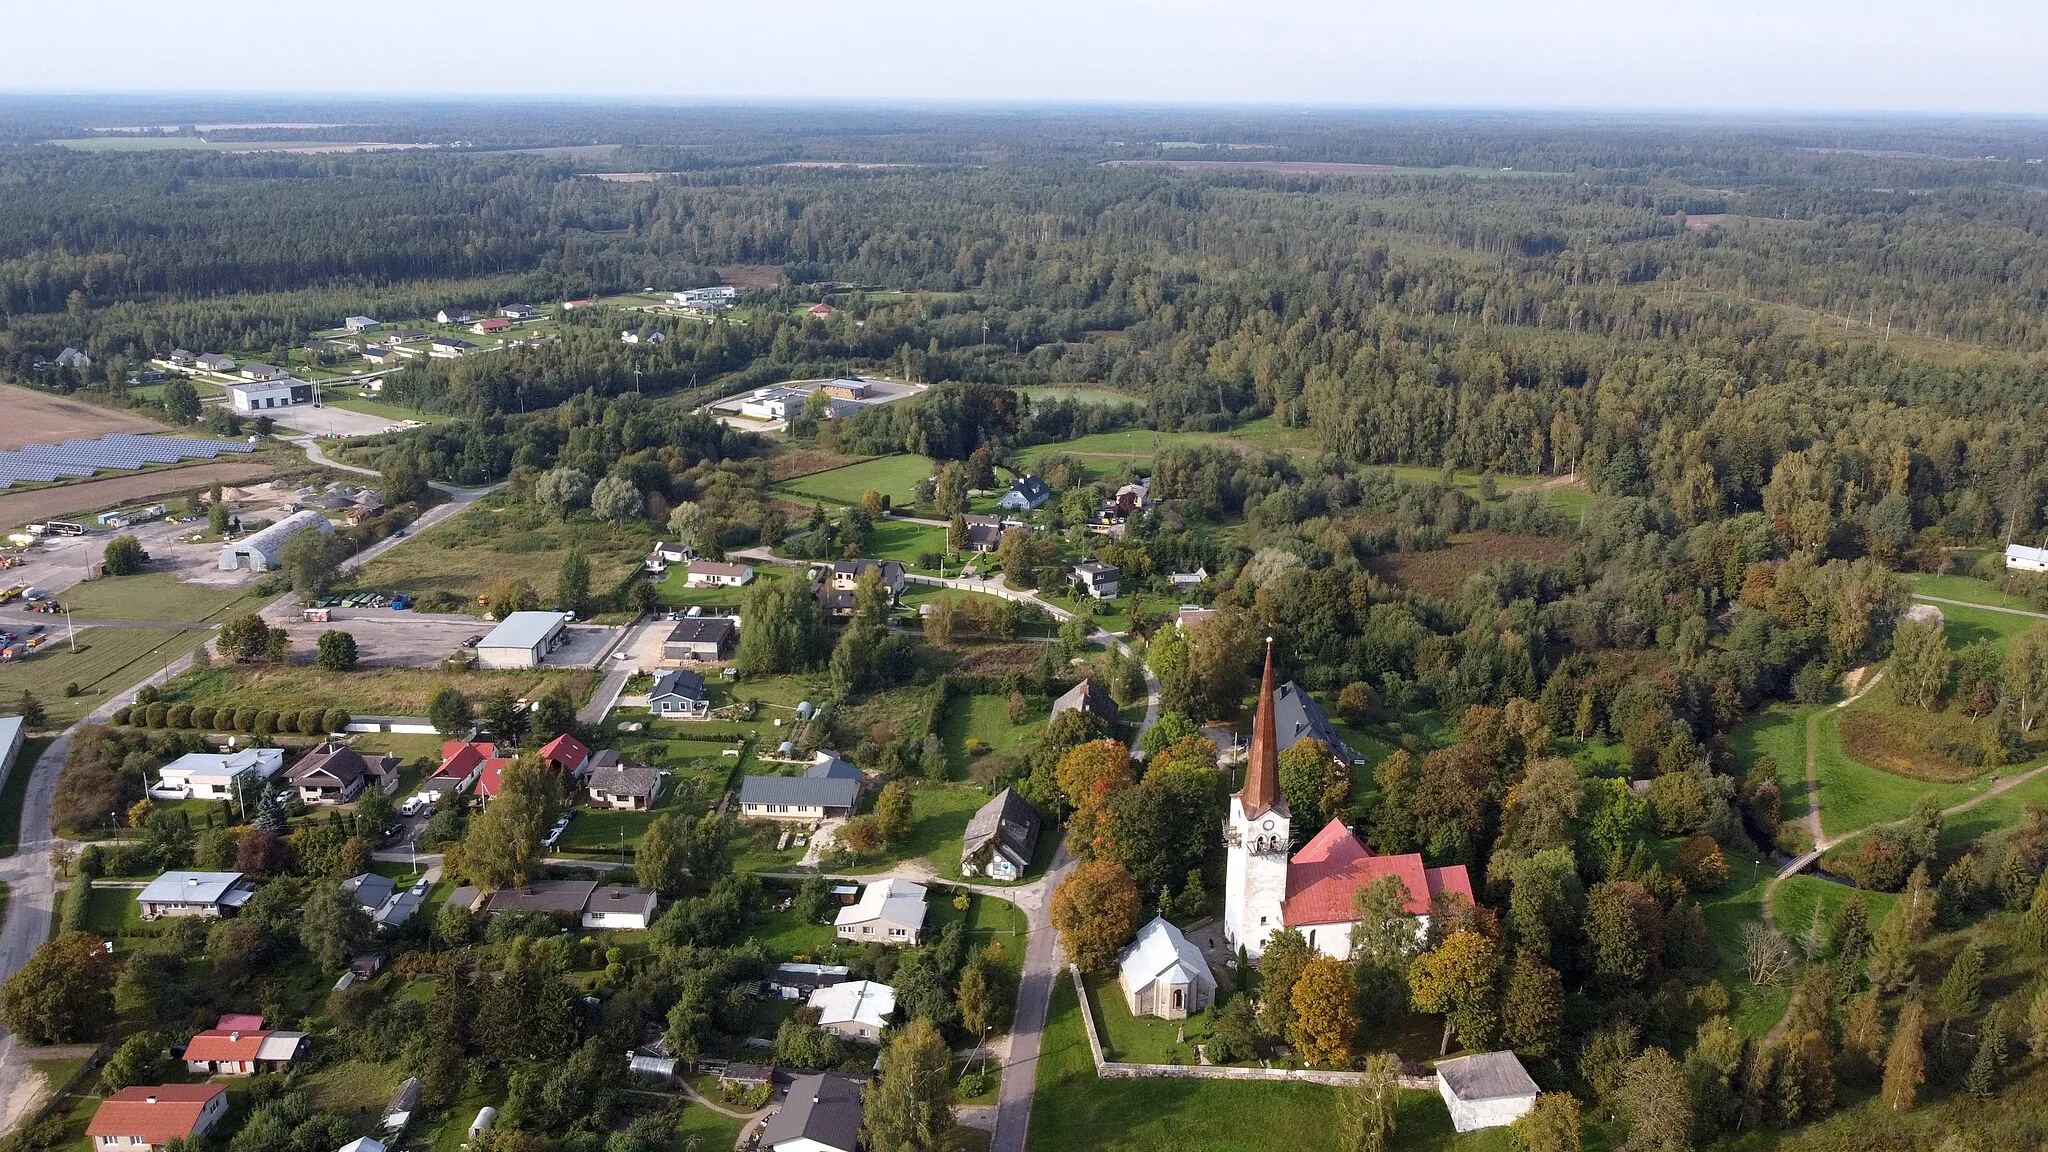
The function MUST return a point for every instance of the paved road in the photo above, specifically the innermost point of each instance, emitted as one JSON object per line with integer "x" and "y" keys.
{"x": 617, "y": 672}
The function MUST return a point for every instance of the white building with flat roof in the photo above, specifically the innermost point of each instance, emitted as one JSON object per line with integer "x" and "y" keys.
{"x": 262, "y": 395}
{"x": 2020, "y": 558}
{"x": 212, "y": 775}
{"x": 523, "y": 640}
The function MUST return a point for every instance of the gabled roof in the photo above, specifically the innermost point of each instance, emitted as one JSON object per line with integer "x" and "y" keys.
{"x": 1334, "y": 864}
{"x": 557, "y": 896}
{"x": 193, "y": 888}
{"x": 896, "y": 901}
{"x": 565, "y": 752}
{"x": 217, "y": 1046}
{"x": 1087, "y": 694}
{"x": 1161, "y": 950}
{"x": 1296, "y": 717}
{"x": 625, "y": 781}
{"x": 804, "y": 791}
{"x": 1009, "y": 822}
{"x": 823, "y": 1107}
{"x": 1031, "y": 488}
{"x": 281, "y": 1046}
{"x": 459, "y": 759}
{"x": 854, "y": 1002}
{"x": 330, "y": 761}
{"x": 370, "y": 890}
{"x": 680, "y": 683}
{"x": 1486, "y": 1076}
{"x": 157, "y": 1114}
{"x": 492, "y": 777}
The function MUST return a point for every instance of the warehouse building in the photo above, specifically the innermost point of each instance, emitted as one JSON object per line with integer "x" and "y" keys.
{"x": 281, "y": 392}
{"x": 522, "y": 641}
{"x": 260, "y": 552}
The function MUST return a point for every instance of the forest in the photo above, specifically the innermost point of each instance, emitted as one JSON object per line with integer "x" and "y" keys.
{"x": 1687, "y": 413}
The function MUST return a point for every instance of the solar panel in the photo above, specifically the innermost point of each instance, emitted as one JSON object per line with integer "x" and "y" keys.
{"x": 122, "y": 451}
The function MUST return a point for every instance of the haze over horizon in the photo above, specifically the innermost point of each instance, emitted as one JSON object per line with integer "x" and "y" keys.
{"x": 1973, "y": 56}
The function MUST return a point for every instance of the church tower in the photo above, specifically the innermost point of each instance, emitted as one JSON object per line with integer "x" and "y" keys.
{"x": 1256, "y": 835}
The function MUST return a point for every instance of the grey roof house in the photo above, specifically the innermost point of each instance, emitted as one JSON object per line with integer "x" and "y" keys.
{"x": 1001, "y": 838}
{"x": 827, "y": 789}
{"x": 1026, "y": 494}
{"x": 387, "y": 904}
{"x": 1298, "y": 716}
{"x": 701, "y": 638}
{"x": 625, "y": 788}
{"x": 680, "y": 694}
{"x": 1087, "y": 696}
{"x": 194, "y": 894}
{"x": 822, "y": 1114}
{"x": 1486, "y": 1090}
{"x": 890, "y": 911}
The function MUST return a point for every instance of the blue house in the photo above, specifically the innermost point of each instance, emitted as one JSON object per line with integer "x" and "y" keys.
{"x": 1026, "y": 495}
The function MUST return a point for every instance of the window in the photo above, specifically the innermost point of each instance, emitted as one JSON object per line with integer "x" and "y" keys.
{"x": 899, "y": 932}
{"x": 1177, "y": 995}
{"x": 867, "y": 929}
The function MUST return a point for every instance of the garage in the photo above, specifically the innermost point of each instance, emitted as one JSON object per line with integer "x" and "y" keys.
{"x": 522, "y": 640}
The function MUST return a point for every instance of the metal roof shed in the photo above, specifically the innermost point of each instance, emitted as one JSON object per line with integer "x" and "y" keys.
{"x": 521, "y": 641}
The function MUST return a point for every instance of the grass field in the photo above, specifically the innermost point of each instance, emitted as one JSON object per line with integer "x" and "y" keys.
{"x": 1794, "y": 901}
{"x": 902, "y": 540}
{"x": 893, "y": 476}
{"x": 157, "y": 596}
{"x": 938, "y": 823}
{"x": 370, "y": 691}
{"x": 2005, "y": 810}
{"x": 107, "y": 661}
{"x": 1081, "y": 393}
{"x": 1727, "y": 913}
{"x": 1074, "y": 1109}
{"x": 16, "y": 791}
{"x": 1104, "y": 451}
{"x": 1781, "y": 735}
{"x": 1966, "y": 626}
{"x": 1975, "y": 591}
{"x": 465, "y": 554}
{"x": 985, "y": 718}
{"x": 675, "y": 591}
{"x": 1854, "y": 795}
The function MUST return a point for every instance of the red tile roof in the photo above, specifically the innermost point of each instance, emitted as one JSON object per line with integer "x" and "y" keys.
{"x": 458, "y": 759}
{"x": 1333, "y": 865}
{"x": 566, "y": 752}
{"x": 216, "y": 1044}
{"x": 488, "y": 784}
{"x": 173, "y": 1116}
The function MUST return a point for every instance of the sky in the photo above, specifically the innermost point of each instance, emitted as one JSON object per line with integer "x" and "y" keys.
{"x": 1969, "y": 56}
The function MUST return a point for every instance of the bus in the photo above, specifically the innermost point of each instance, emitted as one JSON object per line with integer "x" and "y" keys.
{"x": 65, "y": 528}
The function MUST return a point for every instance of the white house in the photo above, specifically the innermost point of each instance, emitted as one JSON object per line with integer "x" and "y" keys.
{"x": 714, "y": 574}
{"x": 212, "y": 775}
{"x": 1489, "y": 1090}
{"x": 856, "y": 1009}
{"x": 2020, "y": 558}
{"x": 361, "y": 324}
{"x": 140, "y": 1117}
{"x": 1162, "y": 974}
{"x": 890, "y": 911}
{"x": 194, "y": 894}
{"x": 619, "y": 907}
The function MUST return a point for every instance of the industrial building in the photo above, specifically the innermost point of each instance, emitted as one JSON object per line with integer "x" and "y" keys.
{"x": 522, "y": 641}
{"x": 260, "y": 552}
{"x": 257, "y": 395}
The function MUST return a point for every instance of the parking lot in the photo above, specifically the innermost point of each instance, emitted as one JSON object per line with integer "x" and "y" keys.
{"x": 387, "y": 638}
{"x": 327, "y": 420}
{"x": 580, "y": 646}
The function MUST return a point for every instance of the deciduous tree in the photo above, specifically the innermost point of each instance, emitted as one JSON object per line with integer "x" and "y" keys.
{"x": 1325, "y": 1019}
{"x": 1459, "y": 980}
{"x": 64, "y": 994}
{"x": 910, "y": 1106}
{"x": 1095, "y": 910}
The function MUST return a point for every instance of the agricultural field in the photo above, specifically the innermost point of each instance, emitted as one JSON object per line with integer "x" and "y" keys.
{"x": 107, "y": 660}
{"x": 1080, "y": 394}
{"x": 29, "y": 504}
{"x": 37, "y": 417}
{"x": 893, "y": 476}
{"x": 449, "y": 565}
{"x": 366, "y": 692}
{"x": 1439, "y": 573}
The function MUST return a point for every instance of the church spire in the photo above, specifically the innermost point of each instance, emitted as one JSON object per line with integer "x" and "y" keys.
{"x": 1261, "y": 792}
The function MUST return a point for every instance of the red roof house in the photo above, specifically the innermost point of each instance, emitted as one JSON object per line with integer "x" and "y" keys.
{"x": 150, "y": 1117}
{"x": 822, "y": 310}
{"x": 486, "y": 327}
{"x": 461, "y": 763}
{"x": 217, "y": 1052}
{"x": 492, "y": 777}
{"x": 567, "y": 753}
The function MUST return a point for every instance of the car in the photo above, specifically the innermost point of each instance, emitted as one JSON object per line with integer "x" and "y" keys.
{"x": 473, "y": 641}
{"x": 420, "y": 889}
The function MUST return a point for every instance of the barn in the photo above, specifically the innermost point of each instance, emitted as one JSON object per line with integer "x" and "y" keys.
{"x": 260, "y": 551}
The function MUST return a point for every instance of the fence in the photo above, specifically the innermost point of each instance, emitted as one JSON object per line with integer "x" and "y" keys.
{"x": 1113, "y": 1070}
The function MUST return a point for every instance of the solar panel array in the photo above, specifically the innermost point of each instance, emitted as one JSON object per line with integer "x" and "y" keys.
{"x": 74, "y": 459}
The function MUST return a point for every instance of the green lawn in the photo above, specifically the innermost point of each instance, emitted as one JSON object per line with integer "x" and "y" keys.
{"x": 1104, "y": 452}
{"x": 1073, "y": 1109}
{"x": 1794, "y": 901}
{"x": 905, "y": 541}
{"x": 156, "y": 596}
{"x": 893, "y": 476}
{"x": 675, "y": 591}
{"x": 1966, "y": 626}
{"x": 1080, "y": 393}
{"x": 2006, "y": 810}
{"x": 112, "y": 912}
{"x": 786, "y": 935}
{"x": 107, "y": 661}
{"x": 1148, "y": 1039}
{"x": 16, "y": 791}
{"x": 1854, "y": 795}
{"x": 703, "y": 1130}
{"x": 1727, "y": 912}
{"x": 985, "y": 718}
{"x": 938, "y": 823}
{"x": 1956, "y": 587}
{"x": 1780, "y": 734}
{"x": 600, "y": 832}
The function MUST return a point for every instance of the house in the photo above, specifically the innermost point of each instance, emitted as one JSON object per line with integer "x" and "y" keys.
{"x": 1001, "y": 838}
{"x": 797, "y": 981}
{"x": 855, "y": 1009}
{"x": 737, "y": 1075}
{"x": 72, "y": 358}
{"x": 1191, "y": 615}
{"x": 1485, "y": 1090}
{"x": 181, "y": 358}
{"x": 405, "y": 335}
{"x": 258, "y": 396}
{"x": 242, "y": 1052}
{"x": 822, "y": 310}
{"x": 334, "y": 773}
{"x": 890, "y": 911}
{"x": 620, "y": 908}
{"x": 386, "y": 903}
{"x": 713, "y": 574}
{"x": 701, "y": 638}
{"x": 139, "y": 1117}
{"x": 985, "y": 533}
{"x": 462, "y": 766}
{"x": 522, "y": 640}
{"x": 1097, "y": 580}
{"x": 827, "y": 789}
{"x": 573, "y": 305}
{"x": 1132, "y": 498}
{"x": 194, "y": 894}
{"x": 1162, "y": 974}
{"x": 821, "y": 1114}
{"x": 398, "y": 1113}
{"x": 568, "y": 754}
{"x": 490, "y": 326}
{"x": 364, "y": 1144}
{"x": 834, "y": 584}
{"x": 258, "y": 371}
{"x": 1026, "y": 494}
{"x": 215, "y": 362}
{"x": 361, "y": 324}
{"x": 680, "y": 695}
{"x": 1188, "y": 579}
{"x": 215, "y": 775}
{"x": 624, "y": 789}
{"x": 449, "y": 347}
{"x": 668, "y": 553}
{"x": 705, "y": 299}
{"x": 774, "y": 403}
{"x": 2020, "y": 558}
{"x": 453, "y": 316}
{"x": 1298, "y": 717}
{"x": 389, "y": 355}
{"x": 1090, "y": 697}
{"x": 519, "y": 312}
{"x": 643, "y": 335}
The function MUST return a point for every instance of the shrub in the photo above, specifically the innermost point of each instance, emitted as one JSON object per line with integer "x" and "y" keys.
{"x": 245, "y": 719}
{"x": 179, "y": 716}
{"x": 312, "y": 722}
{"x": 155, "y": 714}
{"x": 266, "y": 722}
{"x": 337, "y": 720}
{"x": 1702, "y": 865}
{"x": 72, "y": 690}
{"x": 202, "y": 717}
{"x": 121, "y": 715}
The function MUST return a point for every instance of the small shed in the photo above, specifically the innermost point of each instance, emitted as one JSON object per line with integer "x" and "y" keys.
{"x": 485, "y": 1117}
{"x": 1489, "y": 1090}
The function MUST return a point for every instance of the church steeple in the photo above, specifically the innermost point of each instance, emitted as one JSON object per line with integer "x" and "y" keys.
{"x": 1261, "y": 793}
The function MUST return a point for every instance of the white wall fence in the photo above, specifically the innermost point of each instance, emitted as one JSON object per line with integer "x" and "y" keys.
{"x": 1113, "y": 1070}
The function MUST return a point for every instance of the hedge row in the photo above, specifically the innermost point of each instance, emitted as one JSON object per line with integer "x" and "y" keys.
{"x": 261, "y": 721}
{"x": 71, "y": 918}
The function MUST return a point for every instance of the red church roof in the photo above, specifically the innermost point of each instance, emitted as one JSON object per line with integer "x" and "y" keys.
{"x": 1333, "y": 865}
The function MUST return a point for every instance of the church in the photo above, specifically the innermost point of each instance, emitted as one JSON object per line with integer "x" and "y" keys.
{"x": 1268, "y": 889}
